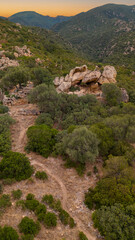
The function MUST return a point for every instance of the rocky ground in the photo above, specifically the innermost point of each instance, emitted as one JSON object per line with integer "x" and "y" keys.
{"x": 63, "y": 184}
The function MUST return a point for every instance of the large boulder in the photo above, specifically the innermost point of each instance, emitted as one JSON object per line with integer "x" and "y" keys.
{"x": 91, "y": 76}
{"x": 64, "y": 87}
{"x": 78, "y": 69}
{"x": 109, "y": 75}
{"x": 124, "y": 95}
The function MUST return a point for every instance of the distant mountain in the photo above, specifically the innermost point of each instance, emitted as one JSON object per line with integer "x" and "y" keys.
{"x": 2, "y": 17}
{"x": 105, "y": 33}
{"x": 30, "y": 18}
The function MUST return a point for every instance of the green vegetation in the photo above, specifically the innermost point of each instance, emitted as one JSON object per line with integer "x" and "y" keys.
{"x": 4, "y": 202}
{"x": 41, "y": 175}
{"x": 79, "y": 146}
{"x": 15, "y": 165}
{"x": 7, "y": 233}
{"x": 5, "y": 141}
{"x": 82, "y": 236}
{"x": 116, "y": 222}
{"x": 50, "y": 220}
{"x": 41, "y": 139}
{"x": 30, "y": 18}
{"x": 17, "y": 194}
{"x": 101, "y": 34}
{"x": 28, "y": 226}
{"x": 111, "y": 93}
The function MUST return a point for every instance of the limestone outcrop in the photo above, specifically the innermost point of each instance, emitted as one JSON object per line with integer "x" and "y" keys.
{"x": 5, "y": 62}
{"x": 22, "y": 51}
{"x": 88, "y": 81}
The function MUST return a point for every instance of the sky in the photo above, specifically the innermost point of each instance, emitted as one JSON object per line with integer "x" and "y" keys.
{"x": 54, "y": 7}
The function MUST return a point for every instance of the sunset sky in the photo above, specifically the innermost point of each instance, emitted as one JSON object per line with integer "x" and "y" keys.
{"x": 53, "y": 7}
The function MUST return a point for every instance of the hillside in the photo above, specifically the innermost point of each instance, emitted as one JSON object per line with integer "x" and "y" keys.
{"x": 30, "y": 18}
{"x": 105, "y": 33}
{"x": 43, "y": 48}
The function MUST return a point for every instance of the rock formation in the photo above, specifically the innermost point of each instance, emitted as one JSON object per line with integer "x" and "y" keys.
{"x": 87, "y": 81}
{"x": 22, "y": 51}
{"x": 5, "y": 62}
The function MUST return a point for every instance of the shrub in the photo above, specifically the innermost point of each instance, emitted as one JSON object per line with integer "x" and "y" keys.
{"x": 17, "y": 194}
{"x": 4, "y": 202}
{"x": 27, "y": 237}
{"x": 28, "y": 226}
{"x": 50, "y": 220}
{"x": 41, "y": 75}
{"x": 40, "y": 212}
{"x": 41, "y": 139}
{"x": 8, "y": 181}
{"x": 82, "y": 236}
{"x": 3, "y": 109}
{"x": 41, "y": 175}
{"x": 7, "y": 233}
{"x": 80, "y": 146}
{"x": 31, "y": 204}
{"x": 111, "y": 93}
{"x": 44, "y": 118}
{"x": 66, "y": 219}
{"x": 15, "y": 165}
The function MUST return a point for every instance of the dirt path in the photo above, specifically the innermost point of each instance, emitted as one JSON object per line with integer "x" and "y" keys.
{"x": 71, "y": 187}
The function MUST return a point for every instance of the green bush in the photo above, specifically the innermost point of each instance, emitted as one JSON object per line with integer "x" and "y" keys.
{"x": 3, "y": 109}
{"x": 15, "y": 165}
{"x": 8, "y": 233}
{"x": 17, "y": 194}
{"x": 1, "y": 188}
{"x": 8, "y": 181}
{"x": 111, "y": 93}
{"x": 50, "y": 220}
{"x": 41, "y": 175}
{"x": 31, "y": 204}
{"x": 41, "y": 75}
{"x": 28, "y": 226}
{"x": 115, "y": 222}
{"x": 66, "y": 219}
{"x": 40, "y": 212}
{"x": 4, "y": 202}
{"x": 44, "y": 118}
{"x": 41, "y": 139}
{"x": 27, "y": 237}
{"x": 82, "y": 236}
{"x": 80, "y": 146}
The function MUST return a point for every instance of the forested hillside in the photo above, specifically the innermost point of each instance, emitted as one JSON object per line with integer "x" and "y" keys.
{"x": 103, "y": 34}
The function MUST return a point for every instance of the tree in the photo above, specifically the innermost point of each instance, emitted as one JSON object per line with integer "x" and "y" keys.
{"x": 115, "y": 222}
{"x": 80, "y": 146}
{"x": 15, "y": 165}
{"x": 28, "y": 226}
{"x": 15, "y": 76}
{"x": 111, "y": 93}
{"x": 41, "y": 139}
{"x": 41, "y": 75}
{"x": 105, "y": 135}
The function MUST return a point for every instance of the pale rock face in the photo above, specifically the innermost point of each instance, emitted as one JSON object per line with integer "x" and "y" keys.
{"x": 109, "y": 73}
{"x": 5, "y": 62}
{"x": 64, "y": 87}
{"x": 77, "y": 77}
{"x": 91, "y": 76}
{"x": 103, "y": 80}
{"x": 24, "y": 51}
{"x": 78, "y": 69}
{"x": 92, "y": 80}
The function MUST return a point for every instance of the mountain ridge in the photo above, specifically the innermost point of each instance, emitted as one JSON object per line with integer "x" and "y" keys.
{"x": 103, "y": 33}
{"x": 32, "y": 18}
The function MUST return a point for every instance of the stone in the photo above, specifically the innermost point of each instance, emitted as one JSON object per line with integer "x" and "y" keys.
{"x": 103, "y": 80}
{"x": 124, "y": 95}
{"x": 91, "y": 77}
{"x": 110, "y": 74}
{"x": 5, "y": 62}
{"x": 64, "y": 87}
{"x": 23, "y": 51}
{"x": 78, "y": 69}
{"x": 77, "y": 77}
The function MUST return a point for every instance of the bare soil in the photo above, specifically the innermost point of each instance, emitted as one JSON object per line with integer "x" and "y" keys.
{"x": 62, "y": 183}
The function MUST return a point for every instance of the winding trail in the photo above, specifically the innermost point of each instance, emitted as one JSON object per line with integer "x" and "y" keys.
{"x": 19, "y": 142}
